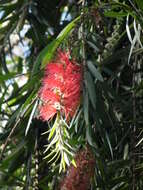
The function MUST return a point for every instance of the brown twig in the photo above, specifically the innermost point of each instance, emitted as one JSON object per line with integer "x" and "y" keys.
{"x": 8, "y": 138}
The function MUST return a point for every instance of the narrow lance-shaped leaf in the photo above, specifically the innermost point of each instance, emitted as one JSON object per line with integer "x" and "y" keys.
{"x": 94, "y": 71}
{"x": 31, "y": 117}
{"x": 86, "y": 106}
{"x": 47, "y": 53}
{"x": 91, "y": 89}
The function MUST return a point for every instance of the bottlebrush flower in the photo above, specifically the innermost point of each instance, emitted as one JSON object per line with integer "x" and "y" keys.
{"x": 78, "y": 178}
{"x": 61, "y": 87}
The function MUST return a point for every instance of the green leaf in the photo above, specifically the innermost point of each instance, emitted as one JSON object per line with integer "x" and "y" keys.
{"x": 7, "y": 10}
{"x": 7, "y": 76}
{"x": 47, "y": 53}
{"x": 114, "y": 14}
{"x": 18, "y": 99}
{"x": 13, "y": 155}
{"x": 91, "y": 88}
{"x": 85, "y": 107}
{"x": 74, "y": 163}
{"x": 17, "y": 162}
{"x": 94, "y": 71}
{"x": 52, "y": 131}
{"x": 28, "y": 100}
{"x": 140, "y": 3}
{"x": 92, "y": 45}
{"x": 4, "y": 1}
{"x": 31, "y": 117}
{"x": 109, "y": 144}
{"x": 89, "y": 135}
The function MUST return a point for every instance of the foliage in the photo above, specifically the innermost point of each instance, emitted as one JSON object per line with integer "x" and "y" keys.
{"x": 105, "y": 37}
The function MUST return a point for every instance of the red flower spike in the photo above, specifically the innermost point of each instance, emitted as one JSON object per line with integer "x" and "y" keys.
{"x": 78, "y": 178}
{"x": 61, "y": 87}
